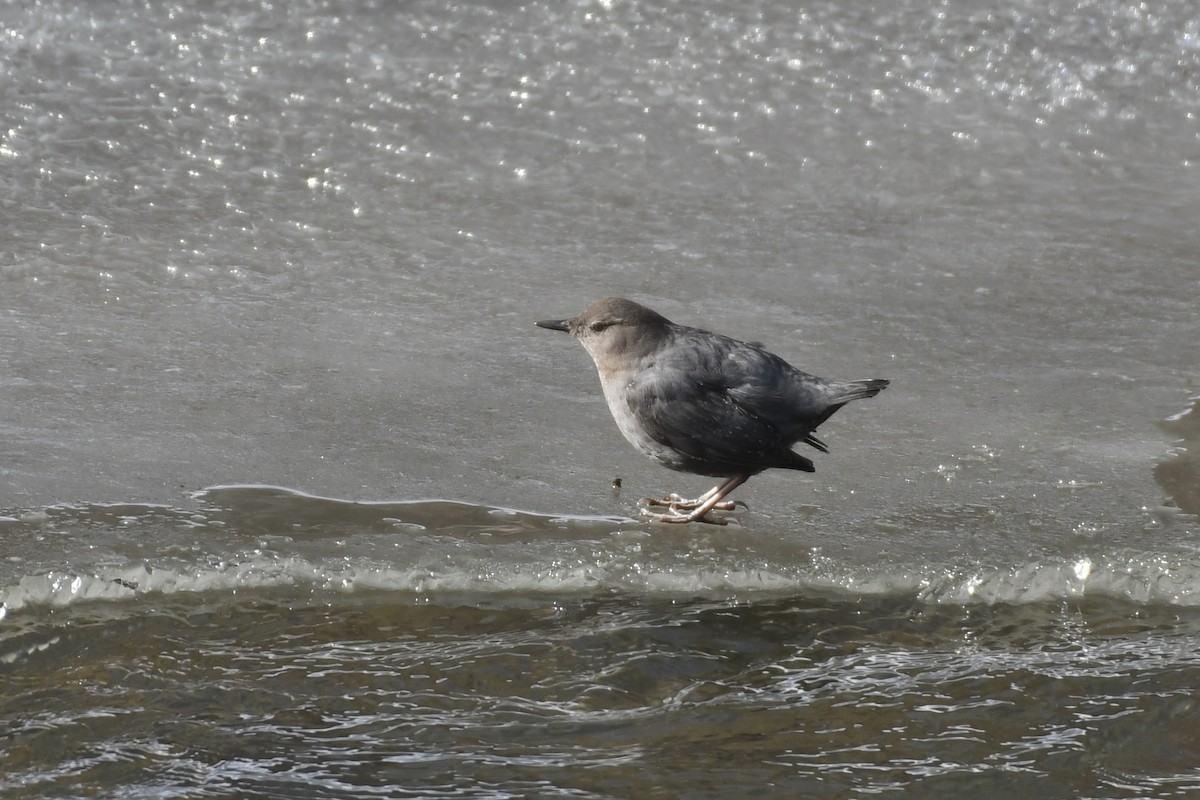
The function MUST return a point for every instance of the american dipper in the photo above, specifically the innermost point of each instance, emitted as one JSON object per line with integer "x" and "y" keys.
{"x": 704, "y": 403}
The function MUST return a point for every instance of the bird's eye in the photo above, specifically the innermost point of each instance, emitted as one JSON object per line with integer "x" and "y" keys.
{"x": 600, "y": 325}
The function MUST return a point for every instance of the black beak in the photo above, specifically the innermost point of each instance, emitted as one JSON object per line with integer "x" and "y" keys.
{"x": 563, "y": 325}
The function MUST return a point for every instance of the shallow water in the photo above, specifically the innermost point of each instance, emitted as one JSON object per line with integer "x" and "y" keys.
{"x": 271, "y": 644}
{"x": 296, "y": 502}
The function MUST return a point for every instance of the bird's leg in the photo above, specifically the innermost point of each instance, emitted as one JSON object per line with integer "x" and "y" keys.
{"x": 710, "y": 500}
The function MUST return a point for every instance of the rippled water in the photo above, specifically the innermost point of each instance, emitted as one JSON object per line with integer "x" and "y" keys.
{"x": 271, "y": 644}
{"x": 296, "y": 502}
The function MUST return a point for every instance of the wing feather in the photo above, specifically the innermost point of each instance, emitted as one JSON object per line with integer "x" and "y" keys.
{"x": 697, "y": 410}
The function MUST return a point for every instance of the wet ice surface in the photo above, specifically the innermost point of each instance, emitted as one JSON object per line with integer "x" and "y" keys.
{"x": 293, "y": 251}
{"x": 268, "y": 280}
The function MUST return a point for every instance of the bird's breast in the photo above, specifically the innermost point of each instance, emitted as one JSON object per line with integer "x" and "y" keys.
{"x": 619, "y": 392}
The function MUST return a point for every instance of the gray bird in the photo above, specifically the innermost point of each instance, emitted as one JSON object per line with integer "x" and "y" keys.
{"x": 704, "y": 403}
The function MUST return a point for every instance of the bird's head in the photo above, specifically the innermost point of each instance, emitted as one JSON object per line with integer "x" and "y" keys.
{"x": 612, "y": 329}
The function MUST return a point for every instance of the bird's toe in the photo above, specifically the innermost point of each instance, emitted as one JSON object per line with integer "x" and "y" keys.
{"x": 667, "y": 501}
{"x": 676, "y": 517}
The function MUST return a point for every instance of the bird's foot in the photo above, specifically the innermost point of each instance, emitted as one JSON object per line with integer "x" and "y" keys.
{"x": 677, "y": 503}
{"x": 696, "y": 510}
{"x": 679, "y": 517}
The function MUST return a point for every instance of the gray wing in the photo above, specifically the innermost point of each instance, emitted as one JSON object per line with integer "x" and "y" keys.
{"x": 704, "y": 407}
